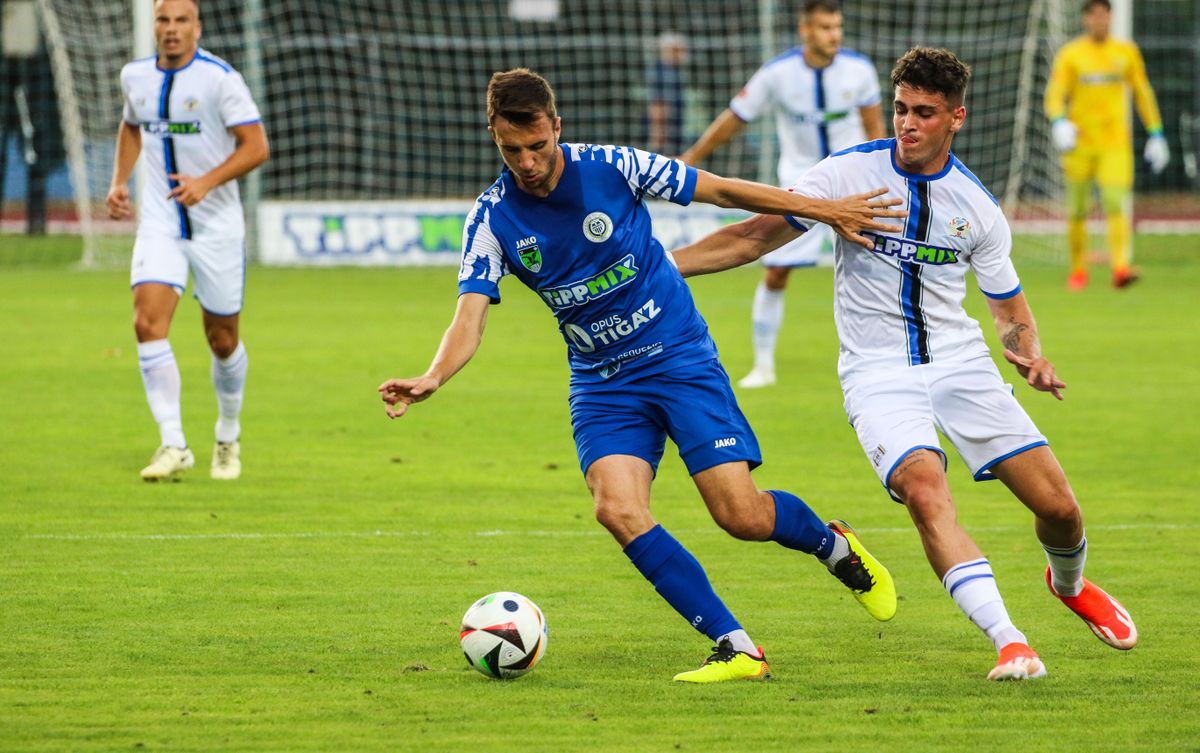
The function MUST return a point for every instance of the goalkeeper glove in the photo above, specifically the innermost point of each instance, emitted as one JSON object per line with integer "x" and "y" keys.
{"x": 1157, "y": 153}
{"x": 1062, "y": 133}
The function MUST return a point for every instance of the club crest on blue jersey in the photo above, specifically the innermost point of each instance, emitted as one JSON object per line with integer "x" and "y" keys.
{"x": 959, "y": 227}
{"x": 919, "y": 252}
{"x": 597, "y": 227}
{"x": 589, "y": 289}
{"x": 530, "y": 254}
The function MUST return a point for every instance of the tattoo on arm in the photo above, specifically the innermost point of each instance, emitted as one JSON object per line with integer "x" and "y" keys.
{"x": 1012, "y": 335}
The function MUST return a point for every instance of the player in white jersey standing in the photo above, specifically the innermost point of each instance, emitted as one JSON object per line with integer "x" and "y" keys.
{"x": 825, "y": 99}
{"x": 913, "y": 362}
{"x": 201, "y": 131}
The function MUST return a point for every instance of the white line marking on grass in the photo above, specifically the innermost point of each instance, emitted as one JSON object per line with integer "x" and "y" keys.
{"x": 249, "y": 536}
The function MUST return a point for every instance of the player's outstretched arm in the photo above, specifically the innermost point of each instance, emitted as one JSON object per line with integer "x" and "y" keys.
{"x": 734, "y": 245}
{"x": 251, "y": 151}
{"x": 1018, "y": 333}
{"x": 847, "y": 216}
{"x": 459, "y": 344}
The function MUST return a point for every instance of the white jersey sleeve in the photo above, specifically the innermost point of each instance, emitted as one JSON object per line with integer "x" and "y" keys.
{"x": 128, "y": 114}
{"x": 483, "y": 262}
{"x": 236, "y": 105}
{"x": 821, "y": 182}
{"x": 991, "y": 261}
{"x": 756, "y": 97}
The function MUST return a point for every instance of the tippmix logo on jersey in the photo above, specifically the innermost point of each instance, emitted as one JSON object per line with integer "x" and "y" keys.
{"x": 167, "y": 128}
{"x": 959, "y": 227}
{"x": 597, "y": 227}
{"x": 914, "y": 251}
{"x": 530, "y": 254}
{"x": 590, "y": 288}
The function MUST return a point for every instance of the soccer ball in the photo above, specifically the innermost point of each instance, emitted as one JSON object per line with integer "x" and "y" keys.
{"x": 503, "y": 635}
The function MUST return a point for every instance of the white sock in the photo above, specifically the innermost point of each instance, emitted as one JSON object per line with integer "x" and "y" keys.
{"x": 229, "y": 379}
{"x": 767, "y": 317}
{"x": 160, "y": 377}
{"x": 1066, "y": 567}
{"x": 973, "y": 588}
{"x": 741, "y": 642}
{"x": 841, "y": 549}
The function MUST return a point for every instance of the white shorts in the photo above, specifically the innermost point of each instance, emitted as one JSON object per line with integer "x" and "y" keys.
{"x": 814, "y": 248}
{"x": 898, "y": 411}
{"x": 218, "y": 268}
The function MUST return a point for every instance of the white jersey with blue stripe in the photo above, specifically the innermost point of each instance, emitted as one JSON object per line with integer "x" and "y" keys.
{"x": 816, "y": 109}
{"x": 901, "y": 304}
{"x": 185, "y": 115}
{"x": 588, "y": 252}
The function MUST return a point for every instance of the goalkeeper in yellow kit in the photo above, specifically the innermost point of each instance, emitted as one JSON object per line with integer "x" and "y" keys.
{"x": 1087, "y": 103}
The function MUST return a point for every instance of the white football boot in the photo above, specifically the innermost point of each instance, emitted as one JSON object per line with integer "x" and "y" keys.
{"x": 226, "y": 461}
{"x": 758, "y": 377}
{"x": 168, "y": 462}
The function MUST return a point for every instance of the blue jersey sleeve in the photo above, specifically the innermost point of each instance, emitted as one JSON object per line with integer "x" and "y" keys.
{"x": 646, "y": 173}
{"x": 482, "y": 261}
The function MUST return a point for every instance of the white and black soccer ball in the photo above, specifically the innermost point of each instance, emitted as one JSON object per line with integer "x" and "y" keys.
{"x": 503, "y": 635}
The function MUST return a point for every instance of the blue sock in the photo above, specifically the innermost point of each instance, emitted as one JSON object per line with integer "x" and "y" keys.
{"x": 680, "y": 579}
{"x": 798, "y": 527}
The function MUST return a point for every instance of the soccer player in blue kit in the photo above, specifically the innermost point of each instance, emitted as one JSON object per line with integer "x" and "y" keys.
{"x": 568, "y": 220}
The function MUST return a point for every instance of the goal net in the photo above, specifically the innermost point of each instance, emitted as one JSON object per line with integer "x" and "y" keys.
{"x": 376, "y": 100}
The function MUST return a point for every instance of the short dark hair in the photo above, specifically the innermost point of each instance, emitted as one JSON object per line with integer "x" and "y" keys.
{"x": 194, "y": 2}
{"x": 1089, "y": 4}
{"x": 934, "y": 70}
{"x": 821, "y": 6}
{"x": 519, "y": 96}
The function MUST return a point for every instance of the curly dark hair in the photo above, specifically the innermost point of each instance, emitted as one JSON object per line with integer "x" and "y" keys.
{"x": 934, "y": 70}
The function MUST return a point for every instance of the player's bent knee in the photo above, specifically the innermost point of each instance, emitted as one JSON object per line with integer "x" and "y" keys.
{"x": 928, "y": 503}
{"x": 148, "y": 327}
{"x": 1062, "y": 508}
{"x": 222, "y": 342}
{"x": 624, "y": 520}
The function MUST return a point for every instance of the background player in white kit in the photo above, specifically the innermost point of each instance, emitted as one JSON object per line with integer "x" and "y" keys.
{"x": 825, "y": 99}
{"x": 912, "y": 359}
{"x": 202, "y": 131}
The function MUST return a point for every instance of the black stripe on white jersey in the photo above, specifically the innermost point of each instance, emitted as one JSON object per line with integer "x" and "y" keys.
{"x": 911, "y": 290}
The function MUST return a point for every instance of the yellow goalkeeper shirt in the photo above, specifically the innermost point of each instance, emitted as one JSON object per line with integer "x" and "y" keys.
{"x": 1088, "y": 85}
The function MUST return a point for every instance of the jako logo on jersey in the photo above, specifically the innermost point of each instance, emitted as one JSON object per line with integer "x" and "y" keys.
{"x": 530, "y": 254}
{"x": 590, "y": 289}
{"x": 191, "y": 103}
{"x": 167, "y": 128}
{"x": 959, "y": 227}
{"x": 726, "y": 442}
{"x": 597, "y": 227}
{"x": 915, "y": 251}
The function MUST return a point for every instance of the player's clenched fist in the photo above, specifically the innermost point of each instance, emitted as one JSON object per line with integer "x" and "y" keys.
{"x": 118, "y": 202}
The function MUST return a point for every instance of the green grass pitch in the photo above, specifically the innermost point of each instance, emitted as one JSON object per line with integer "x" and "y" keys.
{"x": 314, "y": 604}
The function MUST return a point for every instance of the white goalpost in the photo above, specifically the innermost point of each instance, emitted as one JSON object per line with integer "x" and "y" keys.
{"x": 376, "y": 101}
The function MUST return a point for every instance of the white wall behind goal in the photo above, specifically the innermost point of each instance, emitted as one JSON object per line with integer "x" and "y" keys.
{"x": 417, "y": 233}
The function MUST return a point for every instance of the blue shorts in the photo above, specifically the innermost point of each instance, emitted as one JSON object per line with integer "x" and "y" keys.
{"x": 693, "y": 405}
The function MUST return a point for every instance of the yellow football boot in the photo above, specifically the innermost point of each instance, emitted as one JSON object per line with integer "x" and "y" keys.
{"x": 865, "y": 576}
{"x": 728, "y": 664}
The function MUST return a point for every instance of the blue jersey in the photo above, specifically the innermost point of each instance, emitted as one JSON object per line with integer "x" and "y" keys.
{"x": 587, "y": 250}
